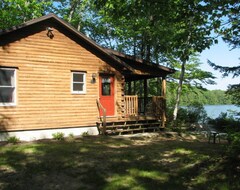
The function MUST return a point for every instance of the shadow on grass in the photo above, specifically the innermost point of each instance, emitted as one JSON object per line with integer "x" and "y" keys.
{"x": 114, "y": 163}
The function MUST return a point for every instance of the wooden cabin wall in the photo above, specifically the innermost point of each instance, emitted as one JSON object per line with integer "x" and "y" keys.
{"x": 44, "y": 98}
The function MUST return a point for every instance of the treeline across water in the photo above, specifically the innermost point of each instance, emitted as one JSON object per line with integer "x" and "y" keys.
{"x": 205, "y": 97}
{"x": 189, "y": 94}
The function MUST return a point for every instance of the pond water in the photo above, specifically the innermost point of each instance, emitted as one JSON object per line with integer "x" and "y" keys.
{"x": 213, "y": 111}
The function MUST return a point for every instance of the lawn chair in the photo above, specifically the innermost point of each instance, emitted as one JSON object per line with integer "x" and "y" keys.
{"x": 213, "y": 135}
{"x": 201, "y": 129}
{"x": 223, "y": 136}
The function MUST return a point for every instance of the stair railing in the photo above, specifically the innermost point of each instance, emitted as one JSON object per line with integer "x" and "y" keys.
{"x": 104, "y": 117}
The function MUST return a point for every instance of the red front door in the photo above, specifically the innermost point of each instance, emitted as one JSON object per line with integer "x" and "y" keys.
{"x": 106, "y": 86}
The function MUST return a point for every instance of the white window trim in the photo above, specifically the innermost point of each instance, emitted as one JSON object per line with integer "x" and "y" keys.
{"x": 84, "y": 82}
{"x": 14, "y": 103}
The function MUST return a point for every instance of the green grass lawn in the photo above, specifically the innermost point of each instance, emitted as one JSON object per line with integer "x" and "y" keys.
{"x": 96, "y": 162}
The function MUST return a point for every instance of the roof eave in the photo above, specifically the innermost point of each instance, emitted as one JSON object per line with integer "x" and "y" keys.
{"x": 119, "y": 54}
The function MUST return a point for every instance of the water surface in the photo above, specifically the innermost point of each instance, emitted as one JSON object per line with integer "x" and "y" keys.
{"x": 214, "y": 111}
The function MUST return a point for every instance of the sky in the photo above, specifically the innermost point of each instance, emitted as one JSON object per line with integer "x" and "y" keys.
{"x": 220, "y": 54}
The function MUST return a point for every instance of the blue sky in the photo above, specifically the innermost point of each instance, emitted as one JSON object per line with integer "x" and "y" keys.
{"x": 220, "y": 55}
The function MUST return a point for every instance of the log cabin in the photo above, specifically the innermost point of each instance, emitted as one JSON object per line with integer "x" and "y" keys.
{"x": 55, "y": 79}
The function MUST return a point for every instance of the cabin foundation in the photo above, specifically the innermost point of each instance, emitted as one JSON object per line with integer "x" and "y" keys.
{"x": 32, "y": 135}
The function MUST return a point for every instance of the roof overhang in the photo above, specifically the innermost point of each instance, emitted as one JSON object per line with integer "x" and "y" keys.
{"x": 142, "y": 68}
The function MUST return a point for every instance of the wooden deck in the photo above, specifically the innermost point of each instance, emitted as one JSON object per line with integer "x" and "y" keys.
{"x": 129, "y": 127}
{"x": 133, "y": 121}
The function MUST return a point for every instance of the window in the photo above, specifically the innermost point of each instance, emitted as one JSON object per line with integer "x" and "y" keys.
{"x": 7, "y": 86}
{"x": 78, "y": 82}
{"x": 106, "y": 86}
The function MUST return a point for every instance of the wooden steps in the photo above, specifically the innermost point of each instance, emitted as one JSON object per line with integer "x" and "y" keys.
{"x": 129, "y": 127}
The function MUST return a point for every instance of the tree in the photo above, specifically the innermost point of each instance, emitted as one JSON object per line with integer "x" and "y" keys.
{"x": 194, "y": 76}
{"x": 233, "y": 90}
{"x": 193, "y": 79}
{"x": 228, "y": 20}
{"x": 230, "y": 31}
{"x": 161, "y": 29}
{"x": 15, "y": 12}
{"x": 74, "y": 11}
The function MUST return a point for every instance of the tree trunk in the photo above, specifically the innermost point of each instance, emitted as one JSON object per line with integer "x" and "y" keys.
{"x": 179, "y": 91}
{"x": 79, "y": 26}
{"x": 70, "y": 15}
{"x": 73, "y": 6}
{"x": 184, "y": 58}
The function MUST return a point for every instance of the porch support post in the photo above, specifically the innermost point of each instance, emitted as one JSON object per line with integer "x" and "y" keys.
{"x": 145, "y": 94}
{"x": 164, "y": 89}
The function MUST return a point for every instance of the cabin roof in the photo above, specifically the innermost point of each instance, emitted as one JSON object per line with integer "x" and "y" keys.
{"x": 130, "y": 67}
{"x": 143, "y": 68}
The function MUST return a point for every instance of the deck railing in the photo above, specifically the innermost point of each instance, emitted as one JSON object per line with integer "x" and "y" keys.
{"x": 155, "y": 106}
{"x": 158, "y": 104}
{"x": 159, "y": 107}
{"x": 131, "y": 105}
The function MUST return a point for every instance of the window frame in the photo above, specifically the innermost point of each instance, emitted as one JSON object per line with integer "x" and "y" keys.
{"x": 14, "y": 87}
{"x": 74, "y": 82}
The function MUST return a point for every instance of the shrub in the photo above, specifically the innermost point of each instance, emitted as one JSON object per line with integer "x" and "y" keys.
{"x": 233, "y": 151}
{"x": 85, "y": 134}
{"x": 13, "y": 140}
{"x": 58, "y": 136}
{"x": 193, "y": 113}
{"x": 196, "y": 113}
{"x": 225, "y": 123}
{"x": 70, "y": 137}
{"x": 231, "y": 126}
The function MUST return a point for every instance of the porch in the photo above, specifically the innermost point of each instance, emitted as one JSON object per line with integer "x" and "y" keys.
{"x": 138, "y": 116}
{"x": 152, "y": 107}
{"x": 142, "y": 111}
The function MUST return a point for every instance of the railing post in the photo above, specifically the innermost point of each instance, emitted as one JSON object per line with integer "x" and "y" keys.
{"x": 104, "y": 123}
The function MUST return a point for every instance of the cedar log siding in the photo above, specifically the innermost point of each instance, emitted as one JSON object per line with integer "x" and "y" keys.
{"x": 44, "y": 98}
